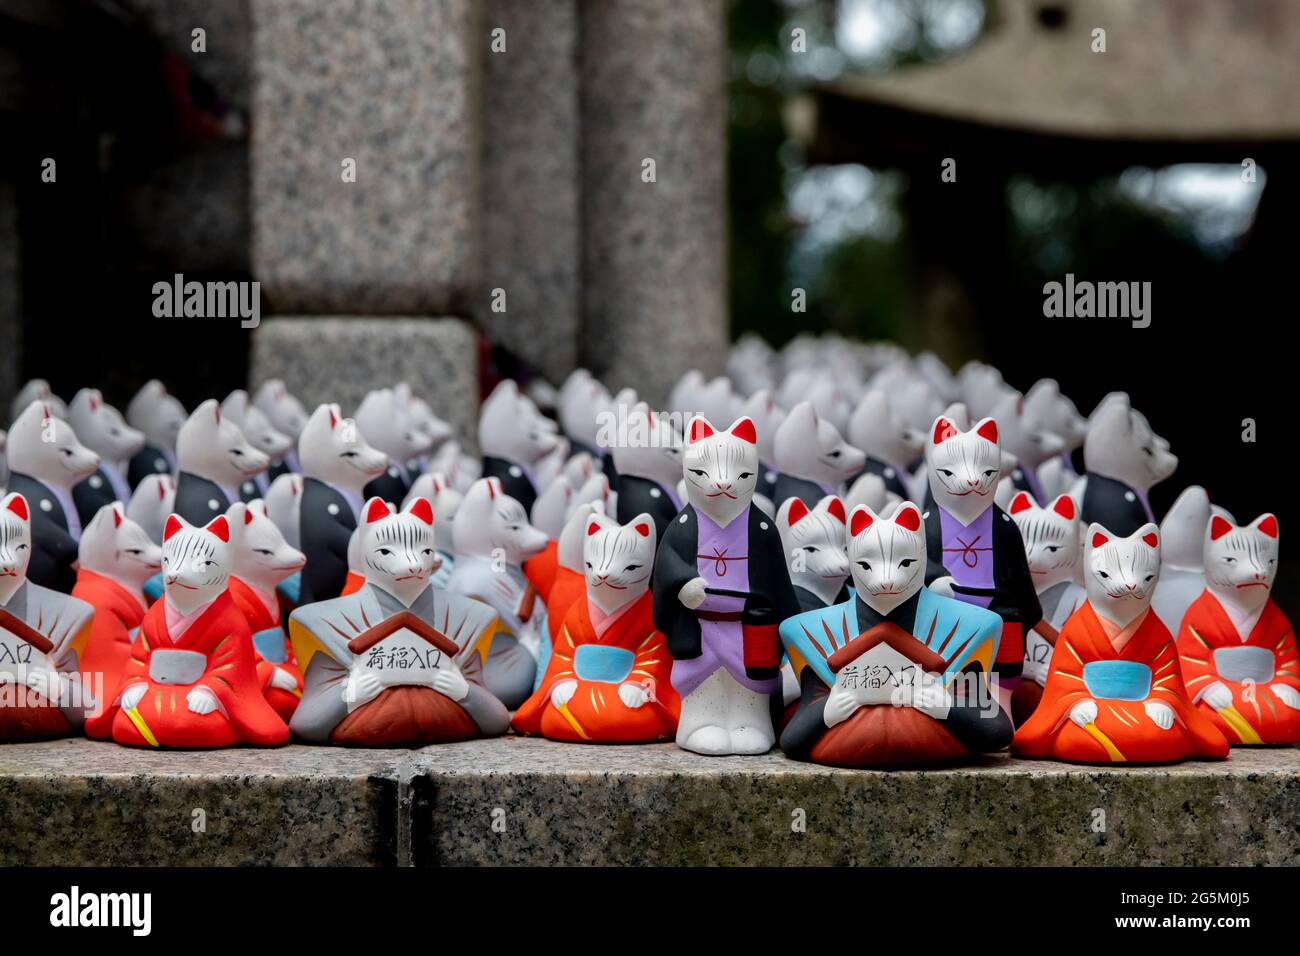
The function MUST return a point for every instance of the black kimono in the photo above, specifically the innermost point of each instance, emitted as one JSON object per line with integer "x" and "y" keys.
{"x": 515, "y": 482}
{"x": 788, "y": 486}
{"x": 92, "y": 493}
{"x": 199, "y": 500}
{"x": 676, "y": 562}
{"x": 1114, "y": 505}
{"x": 392, "y": 486}
{"x": 644, "y": 495}
{"x": 54, "y": 549}
{"x": 149, "y": 460}
{"x": 766, "y": 485}
{"x": 325, "y": 525}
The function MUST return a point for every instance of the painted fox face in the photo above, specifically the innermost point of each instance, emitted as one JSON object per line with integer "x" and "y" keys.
{"x": 281, "y": 408}
{"x": 1024, "y": 431}
{"x": 1121, "y": 573}
{"x": 432, "y": 429}
{"x": 492, "y": 525}
{"x": 1241, "y": 562}
{"x": 101, "y": 428}
{"x": 332, "y": 449}
{"x": 115, "y": 546}
{"x": 1121, "y": 445}
{"x": 721, "y": 468}
{"x": 1051, "y": 537}
{"x": 15, "y": 543}
{"x": 397, "y": 548}
{"x": 618, "y": 560}
{"x": 1045, "y": 403}
{"x": 196, "y": 562}
{"x": 879, "y": 433}
{"x": 212, "y": 447}
{"x": 511, "y": 428}
{"x": 963, "y": 467}
{"x": 444, "y": 498}
{"x": 814, "y": 544}
{"x": 653, "y": 449}
{"x": 257, "y": 428}
{"x": 262, "y": 557}
{"x": 45, "y": 447}
{"x": 157, "y": 413}
{"x": 886, "y": 556}
{"x": 808, "y": 446}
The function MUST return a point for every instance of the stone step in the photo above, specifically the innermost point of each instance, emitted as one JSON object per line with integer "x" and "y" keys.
{"x": 520, "y": 801}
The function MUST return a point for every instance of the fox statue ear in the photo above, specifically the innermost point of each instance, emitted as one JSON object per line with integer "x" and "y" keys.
{"x": 1064, "y": 506}
{"x": 699, "y": 429}
{"x": 943, "y": 430}
{"x": 174, "y": 524}
{"x": 117, "y": 516}
{"x": 798, "y": 511}
{"x": 1151, "y": 539}
{"x": 642, "y": 529}
{"x": 376, "y": 510}
{"x": 907, "y": 517}
{"x": 988, "y": 430}
{"x": 333, "y": 418}
{"x": 744, "y": 430}
{"x": 1267, "y": 525}
{"x": 1219, "y": 527}
{"x": 219, "y": 527}
{"x": 1021, "y": 502}
{"x": 248, "y": 516}
{"x": 18, "y": 505}
{"x": 835, "y": 508}
{"x": 1099, "y": 538}
{"x": 860, "y": 520}
{"x": 421, "y": 508}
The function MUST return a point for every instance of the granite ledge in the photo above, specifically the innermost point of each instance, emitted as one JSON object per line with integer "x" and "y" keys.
{"x": 516, "y": 801}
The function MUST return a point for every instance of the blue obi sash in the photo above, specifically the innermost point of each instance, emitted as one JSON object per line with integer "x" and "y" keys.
{"x": 608, "y": 665}
{"x": 291, "y": 587}
{"x": 543, "y": 647}
{"x": 269, "y": 645}
{"x": 153, "y": 587}
{"x": 1117, "y": 680}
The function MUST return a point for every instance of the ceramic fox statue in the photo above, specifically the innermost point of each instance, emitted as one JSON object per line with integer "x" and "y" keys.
{"x": 814, "y": 550}
{"x": 191, "y": 679}
{"x": 812, "y": 460}
{"x": 151, "y": 503}
{"x": 159, "y": 415}
{"x": 1124, "y": 458}
{"x": 767, "y": 415}
{"x": 398, "y": 663}
{"x": 385, "y": 421}
{"x": 720, "y": 588}
{"x": 286, "y": 414}
{"x": 446, "y": 502}
{"x": 116, "y": 558}
{"x": 46, "y": 461}
{"x": 974, "y": 550}
{"x": 1053, "y": 550}
{"x": 557, "y": 573}
{"x": 43, "y": 636}
{"x": 214, "y": 460}
{"x": 101, "y": 429}
{"x": 1182, "y": 554}
{"x": 493, "y": 540}
{"x": 1024, "y": 431}
{"x": 649, "y": 465}
{"x": 888, "y": 444}
{"x": 337, "y": 464}
{"x": 261, "y": 434}
{"x": 37, "y": 390}
{"x": 1115, "y": 692}
{"x": 897, "y": 674}
{"x": 513, "y": 437}
{"x": 262, "y": 560}
{"x": 608, "y": 678}
{"x": 1045, "y": 402}
{"x": 1238, "y": 650}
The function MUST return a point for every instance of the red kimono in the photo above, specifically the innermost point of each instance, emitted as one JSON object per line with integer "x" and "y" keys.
{"x": 273, "y": 653}
{"x": 629, "y": 651}
{"x": 1209, "y": 644}
{"x": 1086, "y": 665}
{"x": 558, "y": 587}
{"x": 117, "y": 613}
{"x": 162, "y": 718}
{"x": 352, "y": 583}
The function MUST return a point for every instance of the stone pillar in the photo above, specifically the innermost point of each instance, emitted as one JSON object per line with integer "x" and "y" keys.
{"x": 340, "y": 358}
{"x": 11, "y": 328}
{"x": 393, "y": 86}
{"x": 655, "y": 253}
{"x": 531, "y": 171}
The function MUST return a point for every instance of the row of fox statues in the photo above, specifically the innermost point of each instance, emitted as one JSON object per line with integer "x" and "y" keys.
{"x": 838, "y": 549}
